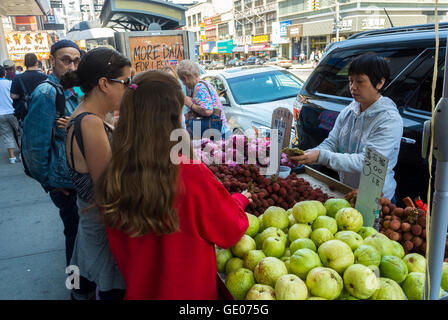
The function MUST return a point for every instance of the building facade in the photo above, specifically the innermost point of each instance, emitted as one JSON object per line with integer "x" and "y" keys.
{"x": 312, "y": 24}
{"x": 256, "y": 23}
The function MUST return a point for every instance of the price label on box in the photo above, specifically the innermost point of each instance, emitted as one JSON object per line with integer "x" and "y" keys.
{"x": 371, "y": 185}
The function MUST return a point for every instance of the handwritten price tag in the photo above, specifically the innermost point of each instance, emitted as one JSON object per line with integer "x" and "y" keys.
{"x": 371, "y": 186}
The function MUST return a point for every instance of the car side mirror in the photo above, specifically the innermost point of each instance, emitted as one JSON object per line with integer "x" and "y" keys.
{"x": 224, "y": 101}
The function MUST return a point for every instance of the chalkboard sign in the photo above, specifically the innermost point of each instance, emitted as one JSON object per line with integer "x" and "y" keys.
{"x": 371, "y": 185}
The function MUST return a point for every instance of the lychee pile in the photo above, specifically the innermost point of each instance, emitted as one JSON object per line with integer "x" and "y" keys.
{"x": 265, "y": 191}
{"x": 405, "y": 225}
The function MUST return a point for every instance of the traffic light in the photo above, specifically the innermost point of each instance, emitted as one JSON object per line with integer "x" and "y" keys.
{"x": 314, "y": 4}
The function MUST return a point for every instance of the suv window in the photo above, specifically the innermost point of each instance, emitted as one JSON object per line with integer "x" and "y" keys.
{"x": 331, "y": 76}
{"x": 412, "y": 89}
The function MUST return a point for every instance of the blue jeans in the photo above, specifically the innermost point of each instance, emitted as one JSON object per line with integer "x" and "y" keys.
{"x": 68, "y": 211}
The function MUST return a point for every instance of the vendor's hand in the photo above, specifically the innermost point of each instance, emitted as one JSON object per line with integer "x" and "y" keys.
{"x": 310, "y": 157}
{"x": 188, "y": 101}
{"x": 248, "y": 195}
{"x": 62, "y": 122}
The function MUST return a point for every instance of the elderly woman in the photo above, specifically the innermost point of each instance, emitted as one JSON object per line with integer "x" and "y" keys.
{"x": 204, "y": 101}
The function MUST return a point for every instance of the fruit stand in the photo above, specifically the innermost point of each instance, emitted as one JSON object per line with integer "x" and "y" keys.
{"x": 306, "y": 241}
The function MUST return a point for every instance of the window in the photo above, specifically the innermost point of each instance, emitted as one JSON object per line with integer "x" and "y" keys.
{"x": 248, "y": 4}
{"x": 194, "y": 20}
{"x": 264, "y": 87}
{"x": 331, "y": 75}
{"x": 259, "y": 3}
{"x": 413, "y": 90}
{"x": 189, "y": 21}
{"x": 199, "y": 18}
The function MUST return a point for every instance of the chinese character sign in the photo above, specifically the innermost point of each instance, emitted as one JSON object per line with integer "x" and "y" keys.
{"x": 371, "y": 186}
{"x": 21, "y": 43}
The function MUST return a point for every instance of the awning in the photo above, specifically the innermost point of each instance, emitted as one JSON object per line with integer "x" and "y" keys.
{"x": 238, "y": 49}
{"x": 87, "y": 30}
{"x": 263, "y": 47}
{"x": 142, "y": 15}
{"x": 24, "y": 7}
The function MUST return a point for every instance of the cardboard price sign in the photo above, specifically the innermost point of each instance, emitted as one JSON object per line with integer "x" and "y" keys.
{"x": 371, "y": 186}
{"x": 282, "y": 121}
{"x": 156, "y": 52}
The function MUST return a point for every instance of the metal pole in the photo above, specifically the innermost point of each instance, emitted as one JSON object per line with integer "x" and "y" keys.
{"x": 337, "y": 21}
{"x": 439, "y": 215}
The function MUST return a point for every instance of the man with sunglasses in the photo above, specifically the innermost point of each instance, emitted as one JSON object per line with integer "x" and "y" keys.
{"x": 43, "y": 142}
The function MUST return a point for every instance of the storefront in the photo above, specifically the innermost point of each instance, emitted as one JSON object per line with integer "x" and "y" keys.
{"x": 225, "y": 49}
{"x": 19, "y": 43}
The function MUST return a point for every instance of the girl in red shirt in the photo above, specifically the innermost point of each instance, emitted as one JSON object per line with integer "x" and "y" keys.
{"x": 163, "y": 219}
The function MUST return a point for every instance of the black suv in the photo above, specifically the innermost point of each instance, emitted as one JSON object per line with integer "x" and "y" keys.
{"x": 253, "y": 61}
{"x": 410, "y": 52}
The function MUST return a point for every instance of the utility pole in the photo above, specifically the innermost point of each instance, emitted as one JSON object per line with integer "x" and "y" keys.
{"x": 337, "y": 20}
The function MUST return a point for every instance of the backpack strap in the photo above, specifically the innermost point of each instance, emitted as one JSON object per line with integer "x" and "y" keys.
{"x": 22, "y": 85}
{"x": 60, "y": 99}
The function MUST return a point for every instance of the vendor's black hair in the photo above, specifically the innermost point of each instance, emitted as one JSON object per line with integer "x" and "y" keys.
{"x": 95, "y": 64}
{"x": 371, "y": 65}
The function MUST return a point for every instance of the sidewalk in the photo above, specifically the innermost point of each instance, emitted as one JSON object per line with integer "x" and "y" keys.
{"x": 300, "y": 66}
{"x": 32, "y": 254}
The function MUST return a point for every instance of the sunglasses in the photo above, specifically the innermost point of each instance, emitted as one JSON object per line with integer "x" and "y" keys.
{"x": 126, "y": 82}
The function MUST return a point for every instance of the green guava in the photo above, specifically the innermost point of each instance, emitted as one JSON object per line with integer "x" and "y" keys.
{"x": 398, "y": 249}
{"x": 415, "y": 262}
{"x": 367, "y": 255}
{"x": 302, "y": 261}
{"x": 307, "y": 211}
{"x": 351, "y": 238}
{"x": 234, "y": 264}
{"x": 444, "y": 283}
{"x": 360, "y": 281}
{"x": 222, "y": 257}
{"x": 388, "y": 290}
{"x": 336, "y": 254}
{"x": 393, "y": 268}
{"x": 261, "y": 292}
{"x": 364, "y": 232}
{"x": 275, "y": 217}
{"x": 299, "y": 231}
{"x": 273, "y": 247}
{"x": 320, "y": 236}
{"x": 252, "y": 258}
{"x": 349, "y": 219}
{"x": 381, "y": 243}
{"x": 269, "y": 270}
{"x": 325, "y": 222}
{"x": 324, "y": 282}
{"x": 333, "y": 206}
{"x": 290, "y": 287}
{"x": 239, "y": 283}
{"x": 301, "y": 244}
{"x": 242, "y": 247}
{"x": 254, "y": 225}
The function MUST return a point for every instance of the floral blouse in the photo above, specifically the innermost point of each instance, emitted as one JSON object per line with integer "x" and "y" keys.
{"x": 205, "y": 96}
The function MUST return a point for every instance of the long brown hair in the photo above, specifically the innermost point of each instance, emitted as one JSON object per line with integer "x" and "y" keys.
{"x": 137, "y": 190}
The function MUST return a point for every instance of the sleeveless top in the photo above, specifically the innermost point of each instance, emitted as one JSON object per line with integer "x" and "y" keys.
{"x": 82, "y": 181}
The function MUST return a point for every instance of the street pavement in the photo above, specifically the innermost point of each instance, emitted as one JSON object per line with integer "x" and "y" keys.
{"x": 32, "y": 254}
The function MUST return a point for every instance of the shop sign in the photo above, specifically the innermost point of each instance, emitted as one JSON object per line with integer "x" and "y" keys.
{"x": 21, "y": 43}
{"x": 208, "y": 21}
{"x": 156, "y": 52}
{"x": 216, "y": 20}
{"x": 243, "y": 40}
{"x": 295, "y": 31}
{"x": 284, "y": 28}
{"x": 260, "y": 39}
{"x": 225, "y": 46}
{"x": 372, "y": 23}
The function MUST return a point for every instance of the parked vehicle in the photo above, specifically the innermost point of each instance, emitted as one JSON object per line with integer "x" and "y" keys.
{"x": 410, "y": 52}
{"x": 251, "y": 61}
{"x": 233, "y": 63}
{"x": 280, "y": 61}
{"x": 215, "y": 65}
{"x": 251, "y": 94}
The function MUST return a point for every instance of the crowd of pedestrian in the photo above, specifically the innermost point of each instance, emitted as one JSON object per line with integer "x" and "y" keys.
{"x": 128, "y": 211}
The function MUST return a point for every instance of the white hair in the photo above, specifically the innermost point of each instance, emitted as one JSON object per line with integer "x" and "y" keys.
{"x": 188, "y": 67}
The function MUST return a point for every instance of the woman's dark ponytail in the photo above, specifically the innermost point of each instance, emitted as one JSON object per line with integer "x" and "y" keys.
{"x": 70, "y": 79}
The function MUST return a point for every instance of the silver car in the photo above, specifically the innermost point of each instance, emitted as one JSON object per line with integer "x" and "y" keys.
{"x": 251, "y": 94}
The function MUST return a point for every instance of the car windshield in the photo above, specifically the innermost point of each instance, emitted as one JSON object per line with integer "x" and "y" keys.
{"x": 264, "y": 87}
